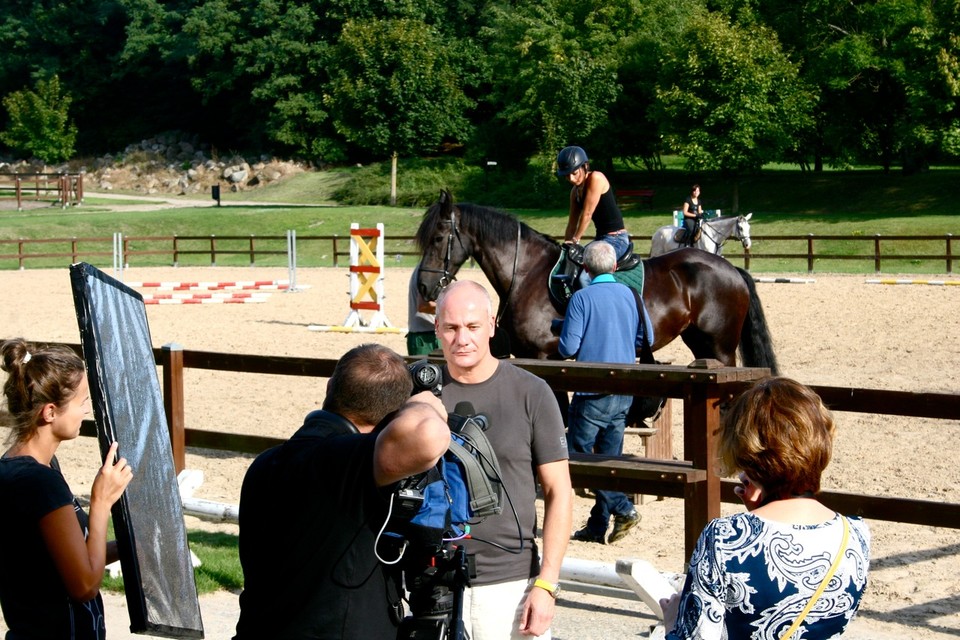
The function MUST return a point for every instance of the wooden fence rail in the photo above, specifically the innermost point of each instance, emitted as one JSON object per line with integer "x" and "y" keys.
{"x": 810, "y": 249}
{"x": 702, "y": 386}
{"x": 67, "y": 187}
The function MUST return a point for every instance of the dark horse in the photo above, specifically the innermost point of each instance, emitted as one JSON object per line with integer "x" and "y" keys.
{"x": 712, "y": 305}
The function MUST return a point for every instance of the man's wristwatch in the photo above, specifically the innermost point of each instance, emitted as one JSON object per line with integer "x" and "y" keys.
{"x": 549, "y": 587}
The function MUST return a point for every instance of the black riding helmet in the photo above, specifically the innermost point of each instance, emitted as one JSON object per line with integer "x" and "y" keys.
{"x": 570, "y": 159}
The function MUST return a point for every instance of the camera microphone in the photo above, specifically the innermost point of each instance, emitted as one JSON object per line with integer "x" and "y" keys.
{"x": 466, "y": 411}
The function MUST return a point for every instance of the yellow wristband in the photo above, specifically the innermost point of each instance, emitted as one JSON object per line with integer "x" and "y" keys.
{"x": 552, "y": 589}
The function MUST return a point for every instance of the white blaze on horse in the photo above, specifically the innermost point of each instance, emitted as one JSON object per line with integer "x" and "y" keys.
{"x": 713, "y": 233}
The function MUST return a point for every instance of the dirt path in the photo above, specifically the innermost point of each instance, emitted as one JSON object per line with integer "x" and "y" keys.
{"x": 836, "y": 331}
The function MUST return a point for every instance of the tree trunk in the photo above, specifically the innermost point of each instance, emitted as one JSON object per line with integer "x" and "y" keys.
{"x": 393, "y": 179}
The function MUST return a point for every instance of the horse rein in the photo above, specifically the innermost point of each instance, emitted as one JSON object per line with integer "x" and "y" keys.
{"x": 513, "y": 278}
{"x": 707, "y": 229}
{"x": 446, "y": 277}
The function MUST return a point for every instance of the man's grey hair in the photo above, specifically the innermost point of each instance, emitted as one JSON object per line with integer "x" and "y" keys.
{"x": 599, "y": 257}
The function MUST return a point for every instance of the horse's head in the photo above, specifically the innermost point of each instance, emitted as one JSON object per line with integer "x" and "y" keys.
{"x": 743, "y": 230}
{"x": 443, "y": 249}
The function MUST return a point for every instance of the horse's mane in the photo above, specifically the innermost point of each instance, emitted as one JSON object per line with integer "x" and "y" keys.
{"x": 480, "y": 221}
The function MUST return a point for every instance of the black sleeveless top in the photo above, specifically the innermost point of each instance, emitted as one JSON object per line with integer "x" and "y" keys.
{"x": 607, "y": 217}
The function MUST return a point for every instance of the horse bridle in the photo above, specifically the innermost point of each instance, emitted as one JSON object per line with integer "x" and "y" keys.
{"x": 741, "y": 237}
{"x": 446, "y": 277}
{"x": 707, "y": 229}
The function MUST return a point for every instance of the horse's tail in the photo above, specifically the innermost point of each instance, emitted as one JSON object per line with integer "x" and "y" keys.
{"x": 756, "y": 344}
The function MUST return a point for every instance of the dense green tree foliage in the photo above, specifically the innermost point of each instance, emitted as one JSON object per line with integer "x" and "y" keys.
{"x": 396, "y": 87}
{"x": 730, "y": 98}
{"x": 886, "y": 71}
{"x": 810, "y": 81}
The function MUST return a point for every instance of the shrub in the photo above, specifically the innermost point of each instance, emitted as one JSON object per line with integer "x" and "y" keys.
{"x": 39, "y": 124}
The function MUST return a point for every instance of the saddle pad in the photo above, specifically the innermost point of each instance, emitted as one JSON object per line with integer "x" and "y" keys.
{"x": 634, "y": 279}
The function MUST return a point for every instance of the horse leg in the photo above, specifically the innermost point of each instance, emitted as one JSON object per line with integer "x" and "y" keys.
{"x": 711, "y": 345}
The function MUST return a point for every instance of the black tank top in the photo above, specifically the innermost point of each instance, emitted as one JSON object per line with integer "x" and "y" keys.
{"x": 606, "y": 217}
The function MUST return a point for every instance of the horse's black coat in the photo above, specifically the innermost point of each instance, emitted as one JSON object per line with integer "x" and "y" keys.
{"x": 710, "y": 304}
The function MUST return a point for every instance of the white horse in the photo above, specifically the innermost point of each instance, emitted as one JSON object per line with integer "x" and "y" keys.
{"x": 713, "y": 233}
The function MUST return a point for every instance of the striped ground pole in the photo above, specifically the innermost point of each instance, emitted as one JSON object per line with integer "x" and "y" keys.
{"x": 226, "y": 295}
{"x": 235, "y": 284}
{"x": 936, "y": 283}
{"x": 213, "y": 286}
{"x": 206, "y": 287}
{"x": 203, "y": 300}
{"x": 354, "y": 329}
{"x": 786, "y": 280}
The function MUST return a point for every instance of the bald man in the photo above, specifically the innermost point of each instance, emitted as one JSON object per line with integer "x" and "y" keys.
{"x": 514, "y": 593}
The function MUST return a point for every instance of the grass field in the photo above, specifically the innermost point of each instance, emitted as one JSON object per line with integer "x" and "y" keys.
{"x": 219, "y": 558}
{"x": 859, "y": 204}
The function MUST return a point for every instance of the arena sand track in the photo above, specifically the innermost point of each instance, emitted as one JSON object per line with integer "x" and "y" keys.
{"x": 836, "y": 331}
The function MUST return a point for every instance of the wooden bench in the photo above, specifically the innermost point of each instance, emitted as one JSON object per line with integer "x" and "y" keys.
{"x": 634, "y": 475}
{"x": 643, "y": 197}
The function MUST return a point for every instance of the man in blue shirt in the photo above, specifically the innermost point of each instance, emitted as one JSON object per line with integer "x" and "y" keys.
{"x": 601, "y": 325}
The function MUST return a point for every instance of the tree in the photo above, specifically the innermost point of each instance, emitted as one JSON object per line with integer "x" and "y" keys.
{"x": 730, "y": 98}
{"x": 886, "y": 70}
{"x": 398, "y": 88}
{"x": 39, "y": 123}
{"x": 630, "y": 130}
{"x": 77, "y": 41}
{"x": 556, "y": 66}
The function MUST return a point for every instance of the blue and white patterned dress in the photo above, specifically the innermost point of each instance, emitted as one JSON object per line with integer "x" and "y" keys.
{"x": 750, "y": 578}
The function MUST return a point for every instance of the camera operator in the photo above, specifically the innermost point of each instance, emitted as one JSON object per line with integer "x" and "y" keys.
{"x": 310, "y": 509}
{"x": 513, "y": 595}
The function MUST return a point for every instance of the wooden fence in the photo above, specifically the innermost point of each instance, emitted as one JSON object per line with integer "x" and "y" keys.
{"x": 808, "y": 250}
{"x": 65, "y": 188}
{"x": 702, "y": 386}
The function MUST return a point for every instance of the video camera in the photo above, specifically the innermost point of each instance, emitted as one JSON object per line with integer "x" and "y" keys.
{"x": 426, "y": 377}
{"x": 435, "y": 510}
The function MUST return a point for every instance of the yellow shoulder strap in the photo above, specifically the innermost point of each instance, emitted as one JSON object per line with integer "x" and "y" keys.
{"x": 823, "y": 584}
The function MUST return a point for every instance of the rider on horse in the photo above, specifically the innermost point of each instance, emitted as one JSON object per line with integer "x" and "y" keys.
{"x": 692, "y": 216}
{"x": 591, "y": 198}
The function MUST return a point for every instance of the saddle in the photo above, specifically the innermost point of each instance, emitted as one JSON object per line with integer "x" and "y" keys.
{"x": 629, "y": 261}
{"x": 565, "y": 281}
{"x": 680, "y": 236}
{"x": 565, "y": 275}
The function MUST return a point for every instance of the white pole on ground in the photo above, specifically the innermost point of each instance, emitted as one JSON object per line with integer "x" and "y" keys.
{"x": 118, "y": 255}
{"x": 292, "y": 260}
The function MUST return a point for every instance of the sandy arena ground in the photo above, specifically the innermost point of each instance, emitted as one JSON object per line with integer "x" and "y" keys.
{"x": 836, "y": 331}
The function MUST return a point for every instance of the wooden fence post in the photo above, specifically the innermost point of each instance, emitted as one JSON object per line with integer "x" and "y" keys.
{"x": 171, "y": 361}
{"x": 701, "y": 418}
{"x": 949, "y": 253}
